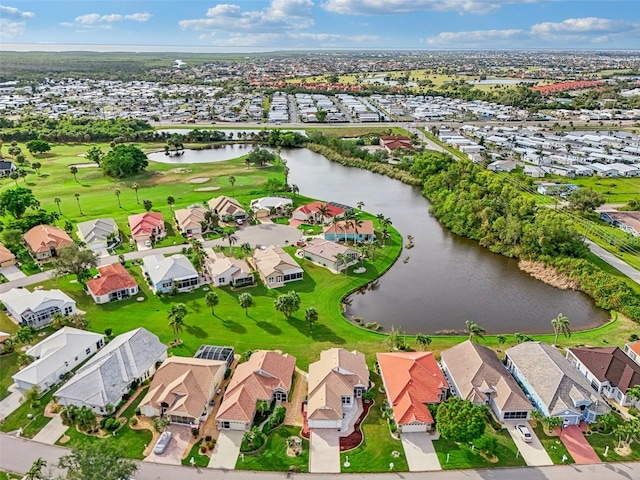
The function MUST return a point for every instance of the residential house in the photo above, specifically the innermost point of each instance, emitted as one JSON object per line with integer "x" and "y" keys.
{"x": 393, "y": 142}
{"x": 147, "y": 226}
{"x": 45, "y": 241}
{"x": 325, "y": 253}
{"x": 164, "y": 273}
{"x": 99, "y": 235}
{"x": 36, "y": 309}
{"x": 125, "y": 362}
{"x": 267, "y": 375}
{"x": 632, "y": 349}
{"x": 55, "y": 356}
{"x": 276, "y": 267}
{"x": 502, "y": 166}
{"x": 189, "y": 220}
{"x": 266, "y": 206}
{"x": 336, "y": 382}
{"x": 412, "y": 381}
{"x": 113, "y": 282}
{"x": 533, "y": 171}
{"x": 182, "y": 390}
{"x": 609, "y": 370}
{"x": 227, "y": 207}
{"x": 7, "y": 168}
{"x": 310, "y": 213}
{"x": 7, "y": 258}
{"x": 223, "y": 270}
{"x": 553, "y": 385}
{"x": 346, "y": 231}
{"x": 626, "y": 221}
{"x": 475, "y": 373}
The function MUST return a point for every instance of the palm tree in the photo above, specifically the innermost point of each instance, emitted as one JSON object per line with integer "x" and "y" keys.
{"x": 35, "y": 472}
{"x": 232, "y": 181}
{"x": 74, "y": 172}
{"x": 57, "y": 201}
{"x": 25, "y": 334}
{"x": 324, "y": 212}
{"x": 212, "y": 299}
{"x": 360, "y": 204}
{"x": 342, "y": 259}
{"x": 380, "y": 218}
{"x": 176, "y": 315}
{"x": 355, "y": 223}
{"x": 295, "y": 189}
{"x": 423, "y": 340}
{"x": 561, "y": 324}
{"x": 262, "y": 407}
{"x": 311, "y": 316}
{"x": 135, "y": 187}
{"x": 147, "y": 204}
{"x": 245, "y": 300}
{"x": 77, "y": 195}
{"x": 171, "y": 202}
{"x": 501, "y": 340}
{"x": 229, "y": 236}
{"x": 476, "y": 332}
{"x": 117, "y": 194}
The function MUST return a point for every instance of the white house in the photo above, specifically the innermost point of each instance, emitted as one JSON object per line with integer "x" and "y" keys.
{"x": 223, "y": 270}
{"x": 262, "y": 207}
{"x": 276, "y": 267}
{"x": 99, "y": 235}
{"x": 165, "y": 273}
{"x": 36, "y": 309}
{"x": 55, "y": 356}
{"x": 126, "y": 361}
{"x": 325, "y": 253}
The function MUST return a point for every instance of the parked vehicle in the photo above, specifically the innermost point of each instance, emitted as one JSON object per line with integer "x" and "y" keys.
{"x": 162, "y": 443}
{"x": 525, "y": 434}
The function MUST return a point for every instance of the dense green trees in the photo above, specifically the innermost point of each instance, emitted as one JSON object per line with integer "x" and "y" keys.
{"x": 15, "y": 201}
{"x": 98, "y": 461}
{"x": 124, "y": 160}
{"x": 36, "y": 147}
{"x": 460, "y": 420}
{"x": 287, "y": 303}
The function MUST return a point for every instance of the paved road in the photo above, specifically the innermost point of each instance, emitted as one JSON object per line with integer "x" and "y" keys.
{"x": 614, "y": 261}
{"x": 17, "y": 455}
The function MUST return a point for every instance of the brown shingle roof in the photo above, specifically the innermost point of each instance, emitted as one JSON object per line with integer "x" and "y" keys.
{"x": 609, "y": 364}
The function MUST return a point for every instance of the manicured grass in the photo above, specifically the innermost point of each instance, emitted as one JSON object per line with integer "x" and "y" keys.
{"x": 375, "y": 452}
{"x": 462, "y": 456}
{"x": 600, "y": 442}
{"x": 200, "y": 460}
{"x": 554, "y": 447}
{"x": 8, "y": 367}
{"x": 273, "y": 455}
{"x": 19, "y": 418}
{"x": 9, "y": 476}
{"x": 615, "y": 190}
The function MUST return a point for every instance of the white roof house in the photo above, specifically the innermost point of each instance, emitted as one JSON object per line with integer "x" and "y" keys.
{"x": 167, "y": 272}
{"x": 55, "y": 356}
{"x": 97, "y": 234}
{"x": 266, "y": 204}
{"x": 125, "y": 360}
{"x": 36, "y": 309}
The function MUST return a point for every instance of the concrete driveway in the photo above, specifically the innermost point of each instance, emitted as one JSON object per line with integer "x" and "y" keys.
{"x": 418, "y": 448}
{"x": 12, "y": 272}
{"x": 52, "y": 431}
{"x": 533, "y": 453}
{"x": 10, "y": 403}
{"x": 225, "y": 453}
{"x": 262, "y": 234}
{"x": 324, "y": 456}
{"x": 180, "y": 437}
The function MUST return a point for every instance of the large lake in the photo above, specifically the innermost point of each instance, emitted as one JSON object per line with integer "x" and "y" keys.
{"x": 448, "y": 279}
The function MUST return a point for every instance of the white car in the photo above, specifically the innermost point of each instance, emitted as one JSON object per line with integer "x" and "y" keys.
{"x": 525, "y": 434}
{"x": 162, "y": 443}
{"x": 239, "y": 221}
{"x": 147, "y": 243}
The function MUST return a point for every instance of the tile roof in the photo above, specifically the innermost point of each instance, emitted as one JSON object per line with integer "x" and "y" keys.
{"x": 327, "y": 249}
{"x": 175, "y": 267}
{"x": 5, "y": 254}
{"x": 313, "y": 208}
{"x": 112, "y": 278}
{"x": 274, "y": 260}
{"x": 145, "y": 222}
{"x": 21, "y": 300}
{"x": 224, "y": 205}
{"x": 41, "y": 237}
{"x": 609, "y": 364}
{"x": 189, "y": 218}
{"x": 184, "y": 384}
{"x": 343, "y": 228}
{"x": 412, "y": 380}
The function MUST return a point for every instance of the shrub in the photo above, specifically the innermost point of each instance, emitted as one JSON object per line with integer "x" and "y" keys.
{"x": 108, "y": 331}
{"x": 133, "y": 421}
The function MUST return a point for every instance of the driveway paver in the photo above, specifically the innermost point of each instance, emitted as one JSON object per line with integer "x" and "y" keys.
{"x": 225, "y": 453}
{"x": 324, "y": 456}
{"x": 578, "y": 447}
{"x": 533, "y": 453}
{"x": 51, "y": 432}
{"x": 12, "y": 272}
{"x": 180, "y": 436}
{"x": 418, "y": 448}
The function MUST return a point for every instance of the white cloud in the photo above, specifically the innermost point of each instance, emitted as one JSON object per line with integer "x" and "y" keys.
{"x": 88, "y": 19}
{"x": 281, "y": 40}
{"x": 391, "y": 7}
{"x": 15, "y": 12}
{"x": 280, "y": 15}
{"x": 139, "y": 17}
{"x": 99, "y": 21}
{"x": 585, "y": 30}
{"x": 9, "y": 29}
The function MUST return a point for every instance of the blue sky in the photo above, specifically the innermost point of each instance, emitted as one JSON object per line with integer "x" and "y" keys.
{"x": 258, "y": 25}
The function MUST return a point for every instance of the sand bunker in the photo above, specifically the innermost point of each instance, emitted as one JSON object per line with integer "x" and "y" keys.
{"x": 206, "y": 189}
{"x": 199, "y": 179}
{"x": 178, "y": 170}
{"x": 85, "y": 165}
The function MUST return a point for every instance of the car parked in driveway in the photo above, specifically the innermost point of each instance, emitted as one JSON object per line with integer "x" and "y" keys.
{"x": 162, "y": 443}
{"x": 525, "y": 434}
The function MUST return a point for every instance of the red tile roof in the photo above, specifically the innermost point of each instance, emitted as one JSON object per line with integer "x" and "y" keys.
{"x": 112, "y": 278}
{"x": 313, "y": 207}
{"x": 412, "y": 380}
{"x": 145, "y": 222}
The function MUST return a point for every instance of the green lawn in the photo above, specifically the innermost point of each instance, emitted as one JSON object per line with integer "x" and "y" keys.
{"x": 273, "y": 456}
{"x": 462, "y": 456}
{"x": 20, "y": 417}
{"x": 554, "y": 447}
{"x": 376, "y": 451}
{"x": 200, "y": 460}
{"x": 600, "y": 442}
{"x": 9, "y": 476}
{"x": 8, "y": 367}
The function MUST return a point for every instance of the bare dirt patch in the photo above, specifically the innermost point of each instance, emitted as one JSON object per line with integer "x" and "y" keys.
{"x": 206, "y": 189}
{"x": 199, "y": 179}
{"x": 177, "y": 170}
{"x": 548, "y": 275}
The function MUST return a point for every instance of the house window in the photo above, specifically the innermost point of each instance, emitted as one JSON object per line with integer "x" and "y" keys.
{"x": 88, "y": 351}
{"x": 221, "y": 280}
{"x": 346, "y": 400}
{"x": 224, "y": 425}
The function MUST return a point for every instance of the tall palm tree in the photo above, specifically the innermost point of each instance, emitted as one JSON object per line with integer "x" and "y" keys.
{"x": 423, "y": 340}
{"x": 324, "y": 212}
{"x": 77, "y": 195}
{"x": 229, "y": 236}
{"x": 35, "y": 472}
{"x": 356, "y": 223}
{"x": 74, "y": 172}
{"x": 171, "y": 202}
{"x": 360, "y": 204}
{"x": 501, "y": 340}
{"x": 245, "y": 300}
{"x": 476, "y": 332}
{"x": 147, "y": 205}
{"x": 212, "y": 299}
{"x": 57, "y": 201}
{"x": 135, "y": 187}
{"x": 176, "y": 315}
{"x": 311, "y": 316}
{"x": 117, "y": 194}
{"x": 232, "y": 181}
{"x": 561, "y": 324}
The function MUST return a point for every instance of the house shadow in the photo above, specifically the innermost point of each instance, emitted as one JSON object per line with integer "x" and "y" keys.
{"x": 319, "y": 332}
{"x": 196, "y": 331}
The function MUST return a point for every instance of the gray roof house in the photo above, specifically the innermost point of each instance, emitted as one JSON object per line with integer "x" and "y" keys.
{"x": 553, "y": 384}
{"x": 165, "y": 272}
{"x": 55, "y": 356}
{"x": 475, "y": 373}
{"x": 105, "y": 378}
{"x": 99, "y": 234}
